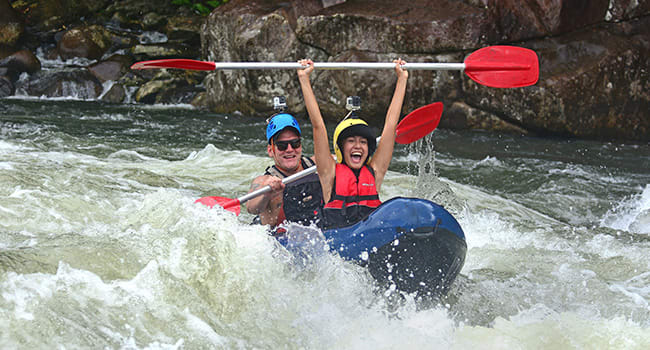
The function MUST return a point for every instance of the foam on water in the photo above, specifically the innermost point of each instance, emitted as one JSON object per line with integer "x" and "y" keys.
{"x": 102, "y": 245}
{"x": 543, "y": 328}
{"x": 198, "y": 270}
{"x": 632, "y": 214}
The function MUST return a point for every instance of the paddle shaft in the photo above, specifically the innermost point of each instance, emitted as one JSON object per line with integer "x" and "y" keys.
{"x": 289, "y": 179}
{"x": 337, "y": 65}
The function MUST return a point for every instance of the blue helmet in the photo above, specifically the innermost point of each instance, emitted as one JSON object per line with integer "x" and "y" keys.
{"x": 280, "y": 122}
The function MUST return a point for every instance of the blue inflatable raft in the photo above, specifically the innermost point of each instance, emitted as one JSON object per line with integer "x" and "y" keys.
{"x": 410, "y": 242}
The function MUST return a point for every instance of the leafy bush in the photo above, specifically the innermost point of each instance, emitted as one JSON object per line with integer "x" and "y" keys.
{"x": 201, "y": 7}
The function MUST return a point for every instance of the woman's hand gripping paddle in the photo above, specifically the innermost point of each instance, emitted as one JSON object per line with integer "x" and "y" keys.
{"x": 413, "y": 127}
{"x": 495, "y": 66}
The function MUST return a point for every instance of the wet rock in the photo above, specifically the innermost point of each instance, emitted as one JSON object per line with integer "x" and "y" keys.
{"x": 154, "y": 21}
{"x": 11, "y": 25}
{"x": 87, "y": 42}
{"x": 462, "y": 116}
{"x": 382, "y": 27}
{"x": 21, "y": 61}
{"x": 7, "y": 87}
{"x": 594, "y": 85}
{"x": 78, "y": 83}
{"x": 621, "y": 10}
{"x": 200, "y": 100}
{"x": 115, "y": 94}
{"x": 516, "y": 20}
{"x": 171, "y": 86}
{"x": 593, "y": 80}
{"x": 185, "y": 29}
{"x": 148, "y": 92}
{"x": 144, "y": 14}
{"x": 112, "y": 68}
{"x": 45, "y": 17}
{"x": 247, "y": 37}
{"x": 164, "y": 50}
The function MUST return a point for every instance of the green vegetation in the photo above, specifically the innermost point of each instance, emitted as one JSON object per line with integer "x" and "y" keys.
{"x": 200, "y": 6}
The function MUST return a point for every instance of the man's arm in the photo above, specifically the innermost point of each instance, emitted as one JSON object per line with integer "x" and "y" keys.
{"x": 261, "y": 203}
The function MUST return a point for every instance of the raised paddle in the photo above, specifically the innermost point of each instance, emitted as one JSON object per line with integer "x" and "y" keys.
{"x": 413, "y": 127}
{"x": 495, "y": 66}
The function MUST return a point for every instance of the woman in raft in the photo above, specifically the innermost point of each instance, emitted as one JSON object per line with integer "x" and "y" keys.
{"x": 351, "y": 183}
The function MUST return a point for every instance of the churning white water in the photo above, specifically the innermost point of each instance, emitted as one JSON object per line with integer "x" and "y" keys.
{"x": 102, "y": 245}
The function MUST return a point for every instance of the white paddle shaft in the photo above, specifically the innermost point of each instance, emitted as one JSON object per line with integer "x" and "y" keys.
{"x": 338, "y": 65}
{"x": 289, "y": 179}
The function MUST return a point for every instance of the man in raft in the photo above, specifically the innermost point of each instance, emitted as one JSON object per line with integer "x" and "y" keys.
{"x": 351, "y": 183}
{"x": 299, "y": 201}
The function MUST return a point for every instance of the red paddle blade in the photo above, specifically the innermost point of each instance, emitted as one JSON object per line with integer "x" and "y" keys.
{"x": 227, "y": 203}
{"x": 503, "y": 66}
{"x": 419, "y": 123}
{"x": 180, "y": 63}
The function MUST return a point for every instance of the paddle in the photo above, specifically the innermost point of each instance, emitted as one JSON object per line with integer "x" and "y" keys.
{"x": 495, "y": 66}
{"x": 413, "y": 127}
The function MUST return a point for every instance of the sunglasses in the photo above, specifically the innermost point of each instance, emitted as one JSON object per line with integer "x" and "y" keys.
{"x": 283, "y": 145}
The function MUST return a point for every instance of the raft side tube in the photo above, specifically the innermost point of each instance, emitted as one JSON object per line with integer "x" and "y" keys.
{"x": 414, "y": 243}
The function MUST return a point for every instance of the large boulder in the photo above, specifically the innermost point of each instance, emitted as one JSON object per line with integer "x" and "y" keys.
{"x": 112, "y": 68}
{"x": 86, "y": 42}
{"x": 21, "y": 61}
{"x": 593, "y": 58}
{"x": 11, "y": 25}
{"x": 63, "y": 83}
{"x": 46, "y": 17}
{"x": 594, "y": 84}
{"x": 252, "y": 31}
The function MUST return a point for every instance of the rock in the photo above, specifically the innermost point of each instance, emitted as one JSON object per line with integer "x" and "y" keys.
{"x": 115, "y": 94}
{"x": 154, "y": 21}
{"x": 594, "y": 84}
{"x": 622, "y": 10}
{"x": 462, "y": 116}
{"x": 148, "y": 92}
{"x": 143, "y": 52}
{"x": 270, "y": 37}
{"x": 382, "y": 27}
{"x": 169, "y": 87}
{"x": 87, "y": 42}
{"x": 11, "y": 25}
{"x": 112, "y": 68}
{"x": 185, "y": 29}
{"x": 593, "y": 80}
{"x": 45, "y": 17}
{"x": 21, "y": 61}
{"x": 200, "y": 100}
{"x": 7, "y": 88}
{"x": 64, "y": 83}
{"x": 516, "y": 20}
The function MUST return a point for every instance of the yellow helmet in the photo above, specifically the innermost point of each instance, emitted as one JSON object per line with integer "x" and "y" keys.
{"x": 353, "y": 127}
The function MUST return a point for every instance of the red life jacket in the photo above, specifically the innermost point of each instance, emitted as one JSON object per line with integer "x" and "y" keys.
{"x": 352, "y": 198}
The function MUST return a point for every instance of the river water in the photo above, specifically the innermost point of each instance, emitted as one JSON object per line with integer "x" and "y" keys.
{"x": 101, "y": 245}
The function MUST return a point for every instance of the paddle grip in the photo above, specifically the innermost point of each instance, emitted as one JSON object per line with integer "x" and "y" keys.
{"x": 286, "y": 180}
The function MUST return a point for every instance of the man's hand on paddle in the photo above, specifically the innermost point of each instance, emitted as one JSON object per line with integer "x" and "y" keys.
{"x": 262, "y": 203}
{"x": 274, "y": 182}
